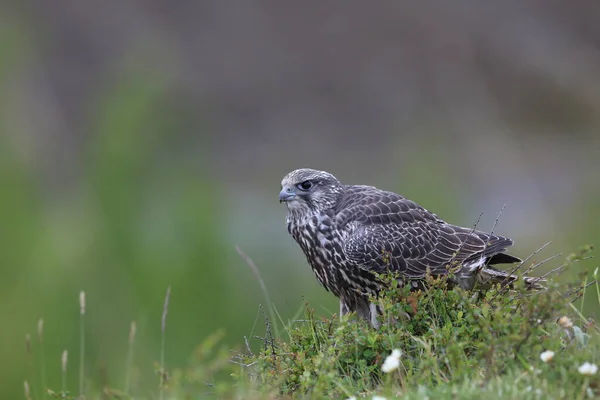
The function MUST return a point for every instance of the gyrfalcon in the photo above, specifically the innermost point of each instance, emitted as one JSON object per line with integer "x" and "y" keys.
{"x": 350, "y": 232}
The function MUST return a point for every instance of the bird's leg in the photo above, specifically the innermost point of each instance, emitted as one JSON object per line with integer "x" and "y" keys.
{"x": 368, "y": 311}
{"x": 343, "y": 308}
{"x": 373, "y": 312}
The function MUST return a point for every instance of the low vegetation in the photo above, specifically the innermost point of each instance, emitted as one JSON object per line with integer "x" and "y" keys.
{"x": 505, "y": 343}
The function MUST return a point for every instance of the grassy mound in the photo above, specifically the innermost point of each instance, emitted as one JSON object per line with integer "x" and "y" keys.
{"x": 452, "y": 344}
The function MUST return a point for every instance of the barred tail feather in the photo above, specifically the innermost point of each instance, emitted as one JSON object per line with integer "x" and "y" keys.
{"x": 489, "y": 277}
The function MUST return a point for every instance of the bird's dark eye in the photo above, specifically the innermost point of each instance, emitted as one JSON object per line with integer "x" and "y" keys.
{"x": 306, "y": 185}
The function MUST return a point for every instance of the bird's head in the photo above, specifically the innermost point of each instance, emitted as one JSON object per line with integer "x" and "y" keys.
{"x": 305, "y": 190}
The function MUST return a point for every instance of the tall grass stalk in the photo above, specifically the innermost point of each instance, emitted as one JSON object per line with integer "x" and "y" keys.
{"x": 597, "y": 284}
{"x": 129, "y": 363}
{"x": 81, "y": 344}
{"x": 40, "y": 332}
{"x": 163, "y": 326}
{"x": 30, "y": 362}
{"x": 263, "y": 287}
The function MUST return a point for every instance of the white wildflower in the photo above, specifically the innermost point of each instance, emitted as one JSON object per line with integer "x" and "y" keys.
{"x": 547, "y": 355}
{"x": 378, "y": 398}
{"x": 565, "y": 322}
{"x": 588, "y": 369}
{"x": 351, "y": 398}
{"x": 392, "y": 362}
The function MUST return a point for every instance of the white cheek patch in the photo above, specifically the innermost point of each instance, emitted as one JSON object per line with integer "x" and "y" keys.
{"x": 294, "y": 204}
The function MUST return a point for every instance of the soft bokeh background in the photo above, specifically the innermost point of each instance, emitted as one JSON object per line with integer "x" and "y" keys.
{"x": 141, "y": 141}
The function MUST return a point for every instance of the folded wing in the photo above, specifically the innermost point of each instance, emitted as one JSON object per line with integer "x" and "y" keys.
{"x": 387, "y": 232}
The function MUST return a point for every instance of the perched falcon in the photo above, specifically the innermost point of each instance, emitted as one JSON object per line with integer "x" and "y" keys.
{"x": 348, "y": 232}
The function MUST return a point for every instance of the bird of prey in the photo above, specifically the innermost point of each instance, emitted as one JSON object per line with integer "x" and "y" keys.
{"x": 350, "y": 232}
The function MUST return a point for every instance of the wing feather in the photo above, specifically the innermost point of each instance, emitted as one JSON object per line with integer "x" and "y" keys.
{"x": 390, "y": 232}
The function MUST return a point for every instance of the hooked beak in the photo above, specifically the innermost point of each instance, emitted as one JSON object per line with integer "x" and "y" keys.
{"x": 286, "y": 194}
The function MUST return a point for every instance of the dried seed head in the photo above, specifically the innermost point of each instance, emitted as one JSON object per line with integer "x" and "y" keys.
{"x": 28, "y": 343}
{"x": 64, "y": 360}
{"x": 27, "y": 390}
{"x": 41, "y": 330}
{"x": 132, "y": 330}
{"x": 82, "y": 302}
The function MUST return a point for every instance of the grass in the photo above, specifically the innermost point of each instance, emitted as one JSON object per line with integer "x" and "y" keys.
{"x": 163, "y": 328}
{"x": 452, "y": 344}
{"x": 130, "y": 354}
{"x": 81, "y": 344}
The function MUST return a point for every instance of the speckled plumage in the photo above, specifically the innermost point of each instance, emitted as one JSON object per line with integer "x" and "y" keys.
{"x": 347, "y": 232}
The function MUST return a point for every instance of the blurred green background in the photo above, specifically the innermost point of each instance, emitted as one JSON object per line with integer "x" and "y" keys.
{"x": 140, "y": 142}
